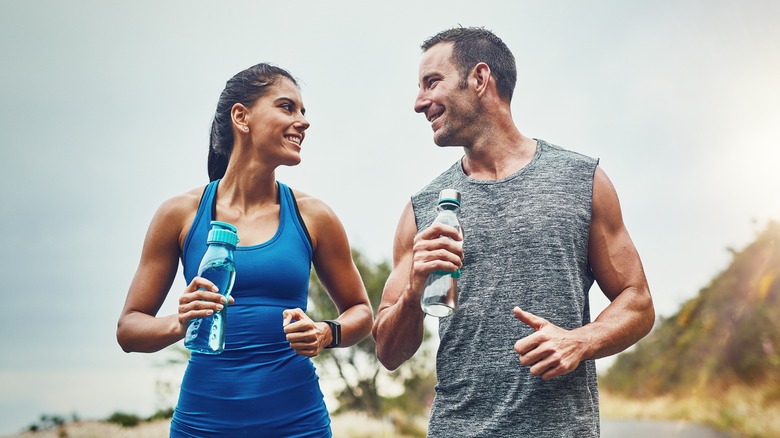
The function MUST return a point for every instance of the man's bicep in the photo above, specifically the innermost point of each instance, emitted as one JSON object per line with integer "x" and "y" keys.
{"x": 403, "y": 243}
{"x": 612, "y": 255}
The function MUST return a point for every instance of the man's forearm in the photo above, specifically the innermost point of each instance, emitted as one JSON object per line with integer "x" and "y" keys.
{"x": 398, "y": 331}
{"x": 624, "y": 322}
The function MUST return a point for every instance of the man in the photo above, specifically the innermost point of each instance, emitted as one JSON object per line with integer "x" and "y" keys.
{"x": 541, "y": 224}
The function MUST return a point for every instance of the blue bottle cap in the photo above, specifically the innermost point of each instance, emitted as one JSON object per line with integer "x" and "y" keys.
{"x": 223, "y": 232}
{"x": 223, "y": 226}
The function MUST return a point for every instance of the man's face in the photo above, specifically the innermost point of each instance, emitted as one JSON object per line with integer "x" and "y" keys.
{"x": 443, "y": 100}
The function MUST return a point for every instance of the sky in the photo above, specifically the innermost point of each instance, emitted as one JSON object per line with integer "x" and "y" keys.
{"x": 105, "y": 109}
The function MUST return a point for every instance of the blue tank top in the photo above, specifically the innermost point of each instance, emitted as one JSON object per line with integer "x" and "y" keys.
{"x": 258, "y": 387}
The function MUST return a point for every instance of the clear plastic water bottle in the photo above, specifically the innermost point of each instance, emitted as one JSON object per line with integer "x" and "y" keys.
{"x": 440, "y": 295}
{"x": 207, "y": 335}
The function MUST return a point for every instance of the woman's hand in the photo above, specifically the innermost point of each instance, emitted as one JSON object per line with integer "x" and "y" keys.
{"x": 200, "y": 299}
{"x": 306, "y": 337}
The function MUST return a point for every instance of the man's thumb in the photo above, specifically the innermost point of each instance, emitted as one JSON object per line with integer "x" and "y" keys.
{"x": 529, "y": 318}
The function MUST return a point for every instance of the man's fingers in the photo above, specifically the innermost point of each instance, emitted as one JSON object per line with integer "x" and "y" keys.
{"x": 439, "y": 229}
{"x": 528, "y": 318}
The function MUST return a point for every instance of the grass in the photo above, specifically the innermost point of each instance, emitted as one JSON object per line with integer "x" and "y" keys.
{"x": 740, "y": 410}
{"x": 347, "y": 425}
{"x": 745, "y": 411}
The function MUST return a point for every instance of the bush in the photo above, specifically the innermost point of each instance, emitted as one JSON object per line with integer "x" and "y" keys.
{"x": 162, "y": 414}
{"x": 47, "y": 422}
{"x": 123, "y": 419}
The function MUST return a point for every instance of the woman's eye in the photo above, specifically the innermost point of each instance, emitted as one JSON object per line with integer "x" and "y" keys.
{"x": 286, "y": 106}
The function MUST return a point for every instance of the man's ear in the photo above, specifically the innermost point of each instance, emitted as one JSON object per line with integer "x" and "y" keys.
{"x": 481, "y": 74}
{"x": 240, "y": 115}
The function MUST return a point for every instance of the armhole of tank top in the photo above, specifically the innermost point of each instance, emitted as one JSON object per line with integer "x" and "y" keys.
{"x": 588, "y": 266}
{"x": 213, "y": 205}
{"x": 414, "y": 212}
{"x": 195, "y": 222}
{"x": 203, "y": 196}
{"x": 300, "y": 218}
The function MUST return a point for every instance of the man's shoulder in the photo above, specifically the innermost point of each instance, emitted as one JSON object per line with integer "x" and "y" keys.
{"x": 555, "y": 151}
{"x": 443, "y": 180}
{"x": 424, "y": 201}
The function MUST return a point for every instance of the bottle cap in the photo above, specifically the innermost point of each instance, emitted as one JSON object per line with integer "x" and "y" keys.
{"x": 223, "y": 232}
{"x": 449, "y": 195}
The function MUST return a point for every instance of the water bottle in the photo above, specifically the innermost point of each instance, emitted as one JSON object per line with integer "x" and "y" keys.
{"x": 440, "y": 295}
{"x": 207, "y": 335}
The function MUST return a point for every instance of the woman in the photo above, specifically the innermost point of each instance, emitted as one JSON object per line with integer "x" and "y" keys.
{"x": 264, "y": 383}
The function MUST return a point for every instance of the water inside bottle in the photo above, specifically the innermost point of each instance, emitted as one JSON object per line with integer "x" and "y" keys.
{"x": 440, "y": 298}
{"x": 207, "y": 335}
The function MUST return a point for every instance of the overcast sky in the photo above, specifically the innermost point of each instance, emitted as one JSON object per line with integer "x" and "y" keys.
{"x": 105, "y": 108}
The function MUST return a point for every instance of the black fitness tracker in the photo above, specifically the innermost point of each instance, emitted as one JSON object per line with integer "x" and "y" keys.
{"x": 335, "y": 330}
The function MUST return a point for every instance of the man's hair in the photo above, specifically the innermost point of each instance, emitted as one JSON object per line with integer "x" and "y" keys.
{"x": 472, "y": 45}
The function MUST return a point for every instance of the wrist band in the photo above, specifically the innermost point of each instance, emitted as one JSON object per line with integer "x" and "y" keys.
{"x": 335, "y": 330}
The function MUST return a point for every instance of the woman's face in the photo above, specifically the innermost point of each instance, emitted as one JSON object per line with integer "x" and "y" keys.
{"x": 277, "y": 124}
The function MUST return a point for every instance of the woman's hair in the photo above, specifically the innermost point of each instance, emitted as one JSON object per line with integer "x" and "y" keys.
{"x": 244, "y": 88}
{"x": 472, "y": 45}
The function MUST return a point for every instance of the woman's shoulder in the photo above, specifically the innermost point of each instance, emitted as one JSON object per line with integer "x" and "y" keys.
{"x": 179, "y": 210}
{"x": 173, "y": 217}
{"x": 183, "y": 202}
{"x": 323, "y": 225}
{"x": 310, "y": 206}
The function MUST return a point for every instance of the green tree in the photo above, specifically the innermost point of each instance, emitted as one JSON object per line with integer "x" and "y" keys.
{"x": 366, "y": 385}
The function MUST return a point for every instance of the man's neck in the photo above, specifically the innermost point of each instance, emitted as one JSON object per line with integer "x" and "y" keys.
{"x": 498, "y": 158}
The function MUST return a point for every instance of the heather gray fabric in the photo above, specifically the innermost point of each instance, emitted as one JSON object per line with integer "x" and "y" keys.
{"x": 525, "y": 244}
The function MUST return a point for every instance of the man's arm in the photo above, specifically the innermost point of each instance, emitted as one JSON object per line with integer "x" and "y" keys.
{"x": 398, "y": 329}
{"x": 618, "y": 270}
{"x": 552, "y": 351}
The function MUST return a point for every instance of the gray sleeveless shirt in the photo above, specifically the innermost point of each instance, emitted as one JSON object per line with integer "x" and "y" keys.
{"x": 525, "y": 244}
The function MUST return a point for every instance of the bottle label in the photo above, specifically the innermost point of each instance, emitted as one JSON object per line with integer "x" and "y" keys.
{"x": 453, "y": 274}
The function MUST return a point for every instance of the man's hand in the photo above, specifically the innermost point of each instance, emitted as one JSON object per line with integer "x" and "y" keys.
{"x": 550, "y": 351}
{"x": 437, "y": 248}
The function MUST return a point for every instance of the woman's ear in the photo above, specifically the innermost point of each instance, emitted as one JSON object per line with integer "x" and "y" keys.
{"x": 240, "y": 115}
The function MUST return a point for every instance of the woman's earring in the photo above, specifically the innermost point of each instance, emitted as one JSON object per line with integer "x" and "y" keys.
{"x": 246, "y": 128}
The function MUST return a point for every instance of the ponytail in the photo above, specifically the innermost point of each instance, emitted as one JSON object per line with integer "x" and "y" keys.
{"x": 218, "y": 157}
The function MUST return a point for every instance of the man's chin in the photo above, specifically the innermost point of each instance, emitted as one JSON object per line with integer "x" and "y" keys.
{"x": 444, "y": 142}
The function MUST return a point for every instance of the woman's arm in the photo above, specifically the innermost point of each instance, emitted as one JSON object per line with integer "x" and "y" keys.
{"x": 139, "y": 329}
{"x": 337, "y": 272}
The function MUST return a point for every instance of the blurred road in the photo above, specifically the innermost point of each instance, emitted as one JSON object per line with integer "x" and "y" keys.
{"x": 656, "y": 429}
